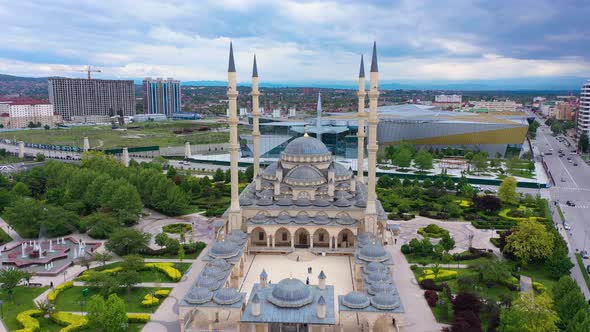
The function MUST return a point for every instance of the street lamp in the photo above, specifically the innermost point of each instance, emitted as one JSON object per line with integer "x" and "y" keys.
{"x": 1, "y": 310}
{"x": 65, "y": 272}
{"x": 82, "y": 303}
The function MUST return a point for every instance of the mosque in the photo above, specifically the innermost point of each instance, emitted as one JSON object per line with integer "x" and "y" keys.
{"x": 304, "y": 204}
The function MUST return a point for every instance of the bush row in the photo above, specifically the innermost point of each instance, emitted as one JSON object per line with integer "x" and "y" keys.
{"x": 27, "y": 320}
{"x": 53, "y": 294}
{"x": 443, "y": 275}
{"x": 149, "y": 300}
{"x": 167, "y": 268}
{"x": 72, "y": 322}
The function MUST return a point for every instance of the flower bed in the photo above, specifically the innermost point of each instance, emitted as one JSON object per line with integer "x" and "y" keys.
{"x": 27, "y": 320}
{"x": 72, "y": 322}
{"x": 177, "y": 228}
{"x": 53, "y": 294}
{"x": 443, "y": 275}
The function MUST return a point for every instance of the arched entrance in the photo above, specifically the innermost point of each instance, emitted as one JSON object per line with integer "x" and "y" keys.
{"x": 345, "y": 238}
{"x": 282, "y": 237}
{"x": 302, "y": 238}
{"x": 258, "y": 237}
{"x": 321, "y": 238}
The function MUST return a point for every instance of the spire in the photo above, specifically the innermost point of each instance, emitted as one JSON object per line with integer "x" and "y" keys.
{"x": 319, "y": 106}
{"x": 362, "y": 70}
{"x": 374, "y": 66}
{"x": 318, "y": 122}
{"x": 231, "y": 68}
{"x": 255, "y": 68}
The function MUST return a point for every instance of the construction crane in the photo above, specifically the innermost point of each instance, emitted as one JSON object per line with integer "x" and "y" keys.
{"x": 89, "y": 70}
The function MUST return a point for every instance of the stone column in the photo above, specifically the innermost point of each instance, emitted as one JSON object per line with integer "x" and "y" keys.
{"x": 371, "y": 211}
{"x": 311, "y": 241}
{"x": 255, "y": 118}
{"x": 125, "y": 159}
{"x": 86, "y": 144}
{"x": 267, "y": 240}
{"x": 273, "y": 241}
{"x": 187, "y": 150}
{"x": 361, "y": 123}
{"x": 235, "y": 212}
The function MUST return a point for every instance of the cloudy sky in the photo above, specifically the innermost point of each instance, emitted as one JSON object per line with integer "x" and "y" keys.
{"x": 297, "y": 40}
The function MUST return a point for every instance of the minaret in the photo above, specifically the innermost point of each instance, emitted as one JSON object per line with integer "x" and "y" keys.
{"x": 235, "y": 212}
{"x": 318, "y": 121}
{"x": 255, "y": 119}
{"x": 371, "y": 211}
{"x": 360, "y": 134}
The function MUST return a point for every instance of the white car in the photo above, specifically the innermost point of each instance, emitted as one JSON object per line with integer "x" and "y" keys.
{"x": 567, "y": 226}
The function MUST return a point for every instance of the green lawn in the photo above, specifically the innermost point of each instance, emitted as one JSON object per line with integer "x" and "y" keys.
{"x": 162, "y": 134}
{"x": 193, "y": 255}
{"x": 4, "y": 237}
{"x": 417, "y": 259}
{"x": 583, "y": 270}
{"x": 151, "y": 275}
{"x": 22, "y": 300}
{"x": 68, "y": 299}
{"x": 560, "y": 213}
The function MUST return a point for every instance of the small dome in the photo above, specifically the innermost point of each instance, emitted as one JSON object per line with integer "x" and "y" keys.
{"x": 379, "y": 276}
{"x": 365, "y": 237}
{"x": 234, "y": 238}
{"x": 207, "y": 282}
{"x": 381, "y": 287}
{"x": 341, "y": 170}
{"x": 321, "y": 203}
{"x": 261, "y": 217}
{"x": 360, "y": 202}
{"x": 214, "y": 272}
{"x": 385, "y": 301}
{"x": 304, "y": 174}
{"x": 245, "y": 201}
{"x": 345, "y": 220}
{"x": 290, "y": 293}
{"x": 356, "y": 300}
{"x": 220, "y": 263}
{"x": 374, "y": 267}
{"x": 264, "y": 201}
{"x": 342, "y": 202}
{"x": 270, "y": 170}
{"x": 283, "y": 219}
{"x": 306, "y": 146}
{"x": 285, "y": 202}
{"x": 302, "y": 219}
{"x": 199, "y": 296}
{"x": 373, "y": 253}
{"x": 227, "y": 296}
{"x": 239, "y": 233}
{"x": 224, "y": 249}
{"x": 269, "y": 193}
{"x": 321, "y": 219}
{"x": 303, "y": 202}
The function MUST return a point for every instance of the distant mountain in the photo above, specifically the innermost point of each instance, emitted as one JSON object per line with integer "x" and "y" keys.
{"x": 16, "y": 86}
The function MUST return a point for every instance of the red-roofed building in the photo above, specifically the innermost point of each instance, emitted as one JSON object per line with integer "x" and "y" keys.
{"x": 20, "y": 112}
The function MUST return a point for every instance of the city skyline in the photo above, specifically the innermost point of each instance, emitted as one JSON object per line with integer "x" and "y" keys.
{"x": 298, "y": 41}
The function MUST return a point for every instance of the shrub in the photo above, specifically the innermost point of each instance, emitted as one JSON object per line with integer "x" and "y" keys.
{"x": 72, "y": 322}
{"x": 406, "y": 249}
{"x": 177, "y": 228}
{"x": 167, "y": 268}
{"x": 431, "y": 297}
{"x": 413, "y": 267}
{"x": 443, "y": 275}
{"x": 27, "y": 320}
{"x": 150, "y": 300}
{"x": 112, "y": 270}
{"x": 53, "y": 294}
{"x": 138, "y": 318}
{"x": 430, "y": 285}
{"x": 539, "y": 287}
{"x": 162, "y": 293}
{"x": 433, "y": 230}
{"x": 199, "y": 246}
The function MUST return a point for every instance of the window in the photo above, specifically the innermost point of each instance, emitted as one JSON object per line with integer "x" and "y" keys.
{"x": 344, "y": 237}
{"x": 260, "y": 236}
{"x": 321, "y": 237}
{"x": 284, "y": 235}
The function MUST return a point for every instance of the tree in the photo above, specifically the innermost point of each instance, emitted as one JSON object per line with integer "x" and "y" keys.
{"x": 107, "y": 316}
{"x": 466, "y": 307}
{"x": 480, "y": 162}
{"x": 128, "y": 279}
{"x": 402, "y": 158}
{"x": 28, "y": 215}
{"x": 10, "y": 278}
{"x": 105, "y": 283}
{"x": 493, "y": 271}
{"x": 530, "y": 240}
{"x": 507, "y": 191}
{"x": 529, "y": 313}
{"x": 102, "y": 257}
{"x": 469, "y": 155}
{"x": 20, "y": 189}
{"x": 218, "y": 176}
{"x": 423, "y": 160}
{"x": 161, "y": 239}
{"x": 487, "y": 203}
{"x": 559, "y": 263}
{"x": 583, "y": 142}
{"x": 181, "y": 253}
{"x": 127, "y": 241}
{"x": 568, "y": 301}
{"x": 447, "y": 242}
{"x": 39, "y": 157}
{"x": 99, "y": 225}
{"x": 85, "y": 261}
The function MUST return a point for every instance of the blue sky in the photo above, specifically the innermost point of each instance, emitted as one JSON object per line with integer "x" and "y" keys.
{"x": 297, "y": 40}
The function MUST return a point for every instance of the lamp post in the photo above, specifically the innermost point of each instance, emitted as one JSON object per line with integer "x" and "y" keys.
{"x": 1, "y": 310}
{"x": 65, "y": 272}
{"x": 82, "y": 303}
{"x": 152, "y": 300}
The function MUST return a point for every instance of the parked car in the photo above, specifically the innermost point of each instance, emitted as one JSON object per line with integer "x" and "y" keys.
{"x": 567, "y": 226}
{"x": 588, "y": 268}
{"x": 570, "y": 203}
{"x": 562, "y": 180}
{"x": 584, "y": 254}
{"x": 575, "y": 164}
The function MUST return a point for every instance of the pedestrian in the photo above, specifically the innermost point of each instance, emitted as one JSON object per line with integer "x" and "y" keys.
{"x": 307, "y": 281}
{"x": 310, "y": 271}
{"x": 298, "y": 258}
{"x": 51, "y": 284}
{"x": 395, "y": 241}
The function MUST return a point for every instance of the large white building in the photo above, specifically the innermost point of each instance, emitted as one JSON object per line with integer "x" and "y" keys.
{"x": 19, "y": 113}
{"x": 498, "y": 106}
{"x": 584, "y": 111}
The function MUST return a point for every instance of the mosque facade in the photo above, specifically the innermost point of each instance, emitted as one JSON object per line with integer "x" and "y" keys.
{"x": 303, "y": 201}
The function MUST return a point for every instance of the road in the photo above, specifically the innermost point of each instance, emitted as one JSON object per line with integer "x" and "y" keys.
{"x": 572, "y": 183}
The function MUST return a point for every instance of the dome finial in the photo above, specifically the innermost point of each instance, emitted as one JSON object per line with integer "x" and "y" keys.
{"x": 305, "y": 134}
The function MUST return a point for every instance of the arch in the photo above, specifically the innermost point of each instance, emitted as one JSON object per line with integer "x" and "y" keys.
{"x": 303, "y": 213}
{"x": 321, "y": 238}
{"x": 303, "y": 194}
{"x": 258, "y": 237}
{"x": 302, "y": 238}
{"x": 346, "y": 238}
{"x": 282, "y": 237}
{"x": 321, "y": 213}
{"x": 284, "y": 213}
{"x": 343, "y": 215}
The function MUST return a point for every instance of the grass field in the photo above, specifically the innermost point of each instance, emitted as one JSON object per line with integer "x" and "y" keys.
{"x": 68, "y": 299}
{"x": 146, "y": 134}
{"x": 22, "y": 300}
{"x": 583, "y": 270}
{"x": 4, "y": 237}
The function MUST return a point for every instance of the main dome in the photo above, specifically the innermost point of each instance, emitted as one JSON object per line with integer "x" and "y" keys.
{"x": 291, "y": 293}
{"x": 306, "y": 146}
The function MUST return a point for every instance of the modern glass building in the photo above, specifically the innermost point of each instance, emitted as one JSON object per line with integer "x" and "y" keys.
{"x": 161, "y": 96}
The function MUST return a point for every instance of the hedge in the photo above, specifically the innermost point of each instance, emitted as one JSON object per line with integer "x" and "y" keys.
{"x": 177, "y": 228}
{"x": 162, "y": 292}
{"x": 539, "y": 287}
{"x": 71, "y": 321}
{"x": 482, "y": 224}
{"x": 443, "y": 275}
{"x": 167, "y": 268}
{"x": 433, "y": 231}
{"x": 53, "y": 294}
{"x": 138, "y": 318}
{"x": 149, "y": 300}
{"x": 86, "y": 274}
{"x": 27, "y": 320}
